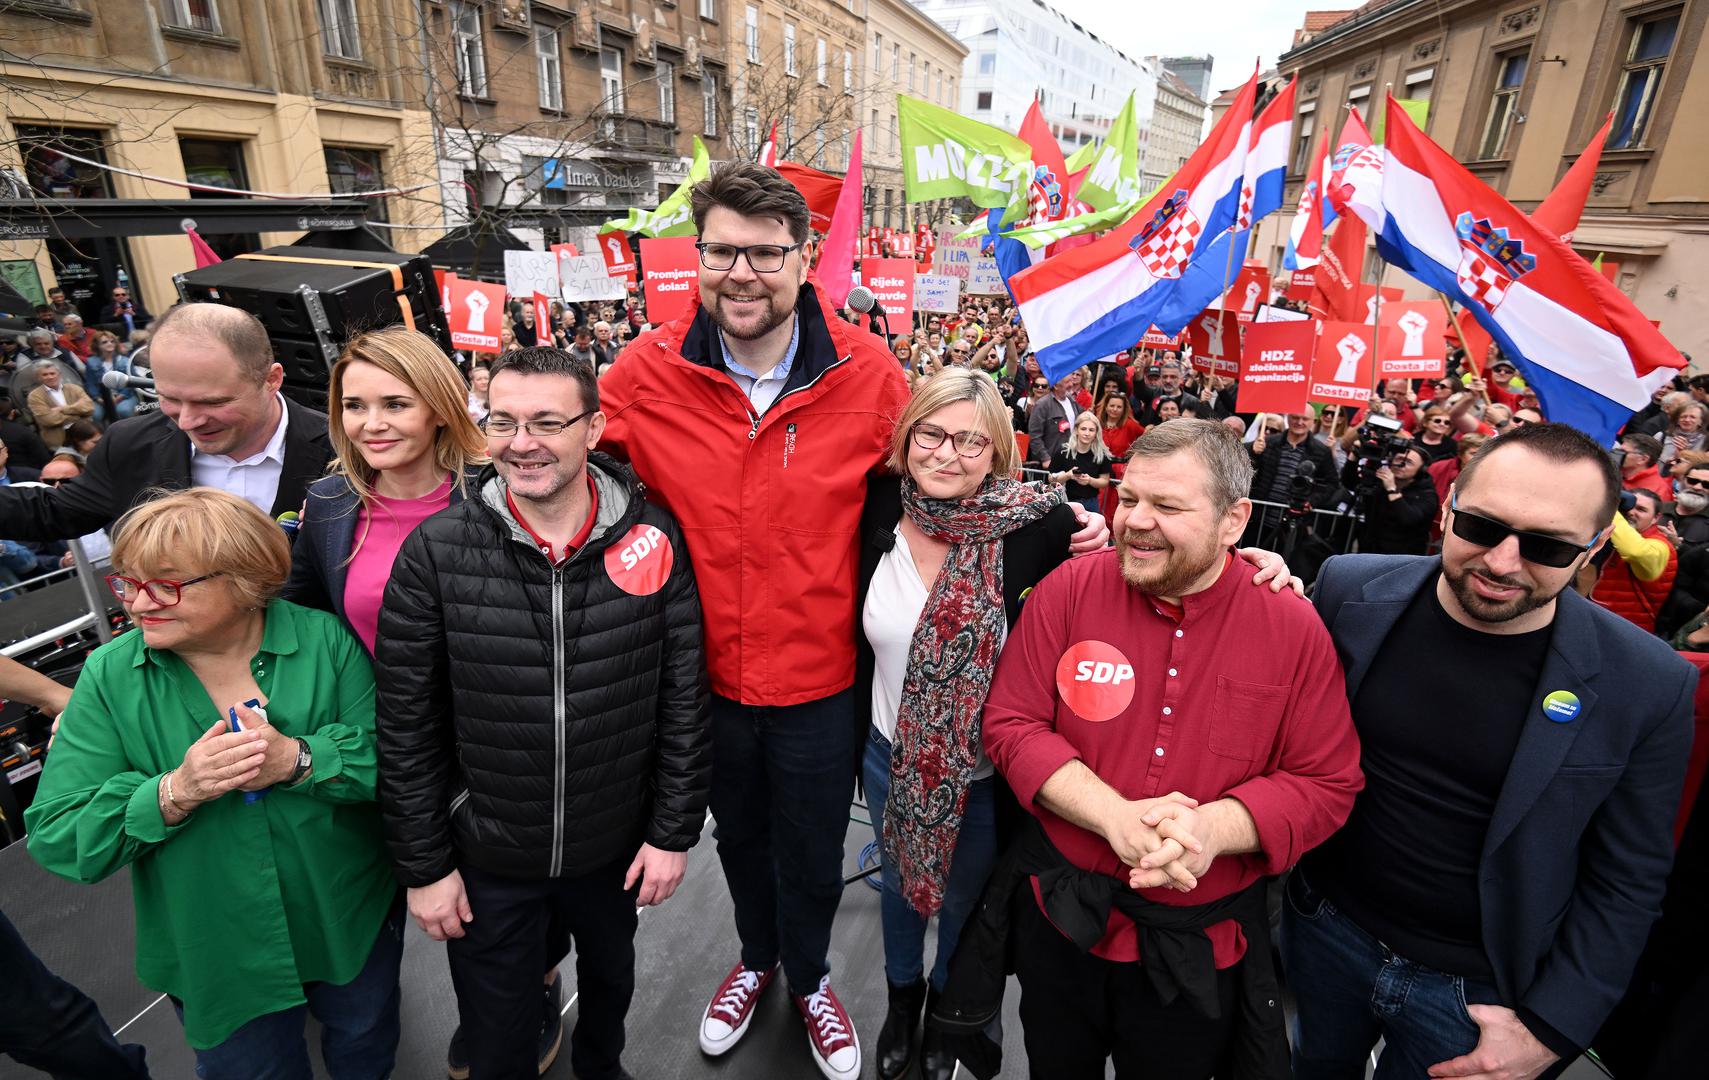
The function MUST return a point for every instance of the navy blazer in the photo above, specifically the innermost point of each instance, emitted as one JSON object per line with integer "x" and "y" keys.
{"x": 1577, "y": 854}
{"x": 326, "y": 534}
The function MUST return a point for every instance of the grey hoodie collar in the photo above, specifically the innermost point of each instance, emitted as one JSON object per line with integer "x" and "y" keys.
{"x": 613, "y": 504}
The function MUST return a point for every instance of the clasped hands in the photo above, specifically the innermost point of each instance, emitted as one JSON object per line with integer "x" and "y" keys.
{"x": 1167, "y": 842}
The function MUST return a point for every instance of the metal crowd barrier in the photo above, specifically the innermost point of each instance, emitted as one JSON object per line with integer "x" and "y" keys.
{"x": 38, "y": 611}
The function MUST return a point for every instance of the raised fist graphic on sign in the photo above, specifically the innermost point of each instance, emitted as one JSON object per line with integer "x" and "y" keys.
{"x": 1413, "y": 325}
{"x": 477, "y": 302}
{"x": 1352, "y": 350}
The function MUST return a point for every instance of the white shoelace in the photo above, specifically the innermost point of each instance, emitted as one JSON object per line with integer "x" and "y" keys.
{"x": 731, "y": 1001}
{"x": 828, "y": 1016}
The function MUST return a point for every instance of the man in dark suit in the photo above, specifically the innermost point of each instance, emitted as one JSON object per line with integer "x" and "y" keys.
{"x": 222, "y": 423}
{"x": 1483, "y": 907}
{"x": 123, "y": 315}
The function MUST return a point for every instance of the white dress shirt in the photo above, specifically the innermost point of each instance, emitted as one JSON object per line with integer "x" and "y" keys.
{"x": 254, "y": 479}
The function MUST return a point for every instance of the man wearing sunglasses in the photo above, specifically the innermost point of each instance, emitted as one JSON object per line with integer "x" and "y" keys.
{"x": 1483, "y": 907}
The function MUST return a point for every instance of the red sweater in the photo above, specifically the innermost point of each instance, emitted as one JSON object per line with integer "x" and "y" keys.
{"x": 1243, "y": 698}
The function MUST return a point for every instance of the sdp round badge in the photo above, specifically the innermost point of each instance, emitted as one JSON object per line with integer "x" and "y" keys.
{"x": 641, "y": 562}
{"x": 1095, "y": 680}
{"x": 1561, "y": 706}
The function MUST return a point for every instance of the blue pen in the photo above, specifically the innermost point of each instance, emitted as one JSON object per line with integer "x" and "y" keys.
{"x": 252, "y": 703}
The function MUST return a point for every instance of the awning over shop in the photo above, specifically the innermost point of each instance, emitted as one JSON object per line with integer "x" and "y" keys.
{"x": 74, "y": 219}
{"x": 475, "y": 249}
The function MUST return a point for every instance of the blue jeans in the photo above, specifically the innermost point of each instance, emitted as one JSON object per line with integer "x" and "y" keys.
{"x": 1351, "y": 989}
{"x": 359, "y": 1025}
{"x": 50, "y": 1025}
{"x": 782, "y": 781}
{"x": 975, "y": 855}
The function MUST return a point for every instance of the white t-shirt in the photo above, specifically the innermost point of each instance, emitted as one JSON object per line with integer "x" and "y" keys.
{"x": 894, "y": 603}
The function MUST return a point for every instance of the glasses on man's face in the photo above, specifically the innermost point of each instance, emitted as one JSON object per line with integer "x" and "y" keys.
{"x": 969, "y": 444}
{"x": 762, "y": 258}
{"x": 1701, "y": 483}
{"x": 540, "y": 429}
{"x": 1435, "y": 420}
{"x": 1486, "y": 532}
{"x": 163, "y": 591}
{"x": 1518, "y": 421}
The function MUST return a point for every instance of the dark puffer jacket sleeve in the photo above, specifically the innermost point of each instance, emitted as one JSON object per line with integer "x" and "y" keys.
{"x": 682, "y": 777}
{"x": 413, "y": 722}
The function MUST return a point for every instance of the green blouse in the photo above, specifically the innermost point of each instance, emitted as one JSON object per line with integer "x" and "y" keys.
{"x": 242, "y": 903}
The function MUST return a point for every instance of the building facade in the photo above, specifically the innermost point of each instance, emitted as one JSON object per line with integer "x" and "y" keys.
{"x": 1195, "y": 71}
{"x": 1515, "y": 91}
{"x": 1177, "y": 129}
{"x": 907, "y": 52}
{"x": 282, "y": 96}
{"x": 795, "y": 64}
{"x": 1019, "y": 49}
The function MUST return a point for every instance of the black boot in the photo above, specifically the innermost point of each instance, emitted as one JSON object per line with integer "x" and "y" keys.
{"x": 896, "y": 1038}
{"x": 936, "y": 1063}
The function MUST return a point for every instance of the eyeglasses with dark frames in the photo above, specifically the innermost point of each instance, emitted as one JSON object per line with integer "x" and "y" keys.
{"x": 540, "y": 429}
{"x": 762, "y": 258}
{"x": 1487, "y": 532}
{"x": 1692, "y": 481}
{"x": 969, "y": 444}
{"x": 163, "y": 591}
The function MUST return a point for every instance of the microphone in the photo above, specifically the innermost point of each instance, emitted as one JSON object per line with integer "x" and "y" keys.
{"x": 118, "y": 380}
{"x": 861, "y": 300}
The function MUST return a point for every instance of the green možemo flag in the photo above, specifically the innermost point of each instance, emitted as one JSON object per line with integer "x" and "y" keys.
{"x": 1112, "y": 175}
{"x": 947, "y": 156}
{"x": 674, "y": 217}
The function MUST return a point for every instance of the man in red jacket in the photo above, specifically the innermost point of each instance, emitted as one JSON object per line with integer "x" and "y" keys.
{"x": 756, "y": 420}
{"x": 1636, "y": 580}
{"x": 1638, "y": 468}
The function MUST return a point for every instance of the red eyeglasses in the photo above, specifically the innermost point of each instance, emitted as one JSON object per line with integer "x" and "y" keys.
{"x": 163, "y": 591}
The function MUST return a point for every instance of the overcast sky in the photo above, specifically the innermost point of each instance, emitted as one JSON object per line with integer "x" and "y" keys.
{"x": 1235, "y": 32}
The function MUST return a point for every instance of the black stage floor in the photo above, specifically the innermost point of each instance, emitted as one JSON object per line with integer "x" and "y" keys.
{"x": 86, "y": 934}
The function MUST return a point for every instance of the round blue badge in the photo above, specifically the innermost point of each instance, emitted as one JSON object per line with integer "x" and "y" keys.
{"x": 1561, "y": 706}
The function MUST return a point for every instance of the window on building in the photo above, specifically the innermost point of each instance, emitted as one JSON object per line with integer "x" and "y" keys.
{"x": 818, "y": 143}
{"x": 878, "y": 54}
{"x": 895, "y": 63}
{"x": 709, "y": 9}
{"x": 1504, "y": 102}
{"x": 987, "y": 63}
{"x": 751, "y": 126}
{"x": 193, "y": 15}
{"x": 351, "y": 169}
{"x": 1419, "y": 84}
{"x": 751, "y": 28}
{"x": 1641, "y": 79}
{"x": 1303, "y": 128}
{"x": 667, "y": 92}
{"x": 1360, "y": 98}
{"x": 471, "y": 50}
{"x": 848, "y": 71}
{"x": 789, "y": 49}
{"x": 910, "y": 73}
{"x": 982, "y": 100}
{"x": 218, "y": 163}
{"x": 709, "y": 104}
{"x": 611, "y": 80}
{"x": 338, "y": 35}
{"x": 819, "y": 61}
{"x": 87, "y": 269}
{"x": 788, "y": 144}
{"x": 549, "y": 62}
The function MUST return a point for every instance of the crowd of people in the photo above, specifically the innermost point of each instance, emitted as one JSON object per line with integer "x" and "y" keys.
{"x": 538, "y": 616}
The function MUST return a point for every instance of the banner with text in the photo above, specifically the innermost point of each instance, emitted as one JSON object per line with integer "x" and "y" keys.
{"x": 945, "y": 156}
{"x": 1412, "y": 340}
{"x": 892, "y": 282}
{"x": 585, "y": 278}
{"x": 1341, "y": 369}
{"x": 529, "y": 272}
{"x": 670, "y": 277}
{"x": 476, "y": 313}
{"x": 937, "y": 292}
{"x": 986, "y": 279}
{"x": 955, "y": 257}
{"x": 1157, "y": 339}
{"x": 1215, "y": 337}
{"x": 1275, "y": 366}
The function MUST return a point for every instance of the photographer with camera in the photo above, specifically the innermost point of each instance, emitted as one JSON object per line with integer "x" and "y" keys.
{"x": 1394, "y": 493}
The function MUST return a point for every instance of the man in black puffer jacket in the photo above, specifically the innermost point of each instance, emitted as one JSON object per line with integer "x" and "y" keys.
{"x": 542, "y": 719}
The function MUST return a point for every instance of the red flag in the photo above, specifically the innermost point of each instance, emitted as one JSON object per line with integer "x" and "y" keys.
{"x": 1559, "y": 213}
{"x": 1335, "y": 295}
{"x": 837, "y": 254}
{"x": 768, "y": 152}
{"x": 1048, "y": 196}
{"x": 820, "y": 189}
{"x": 204, "y": 254}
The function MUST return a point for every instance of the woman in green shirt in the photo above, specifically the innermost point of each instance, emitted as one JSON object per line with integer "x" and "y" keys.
{"x": 258, "y": 870}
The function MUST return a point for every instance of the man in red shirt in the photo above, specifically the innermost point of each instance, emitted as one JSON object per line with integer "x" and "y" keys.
{"x": 1174, "y": 729}
{"x": 1638, "y": 468}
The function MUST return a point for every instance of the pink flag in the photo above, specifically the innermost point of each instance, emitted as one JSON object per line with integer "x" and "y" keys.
{"x": 204, "y": 254}
{"x": 836, "y": 258}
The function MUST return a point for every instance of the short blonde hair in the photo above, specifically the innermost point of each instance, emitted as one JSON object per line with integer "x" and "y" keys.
{"x": 206, "y": 530}
{"x": 947, "y": 387}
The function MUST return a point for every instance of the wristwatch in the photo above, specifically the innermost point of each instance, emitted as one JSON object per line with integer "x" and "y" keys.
{"x": 305, "y": 763}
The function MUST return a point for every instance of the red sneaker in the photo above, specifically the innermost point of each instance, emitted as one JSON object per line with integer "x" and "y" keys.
{"x": 732, "y": 1008}
{"x": 830, "y": 1033}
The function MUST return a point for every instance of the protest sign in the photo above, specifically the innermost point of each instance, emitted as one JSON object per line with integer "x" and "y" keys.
{"x": 1301, "y": 283}
{"x": 1250, "y": 289}
{"x": 619, "y": 260}
{"x": 476, "y": 313}
{"x": 1271, "y": 313}
{"x": 1157, "y": 339}
{"x": 1215, "y": 338}
{"x": 529, "y": 272}
{"x": 585, "y": 278}
{"x": 543, "y": 318}
{"x": 1341, "y": 368}
{"x": 936, "y": 292}
{"x": 443, "y": 279}
{"x": 1411, "y": 340}
{"x": 953, "y": 257}
{"x": 892, "y": 282}
{"x": 986, "y": 279}
{"x": 670, "y": 277}
{"x": 1275, "y": 365}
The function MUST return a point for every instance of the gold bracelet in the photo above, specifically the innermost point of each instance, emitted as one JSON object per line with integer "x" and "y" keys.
{"x": 181, "y": 809}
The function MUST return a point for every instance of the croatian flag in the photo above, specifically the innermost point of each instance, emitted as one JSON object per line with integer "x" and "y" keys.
{"x": 1262, "y": 180}
{"x": 1047, "y": 198}
{"x": 1589, "y": 353}
{"x": 1089, "y": 303}
{"x": 1305, "y": 236}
